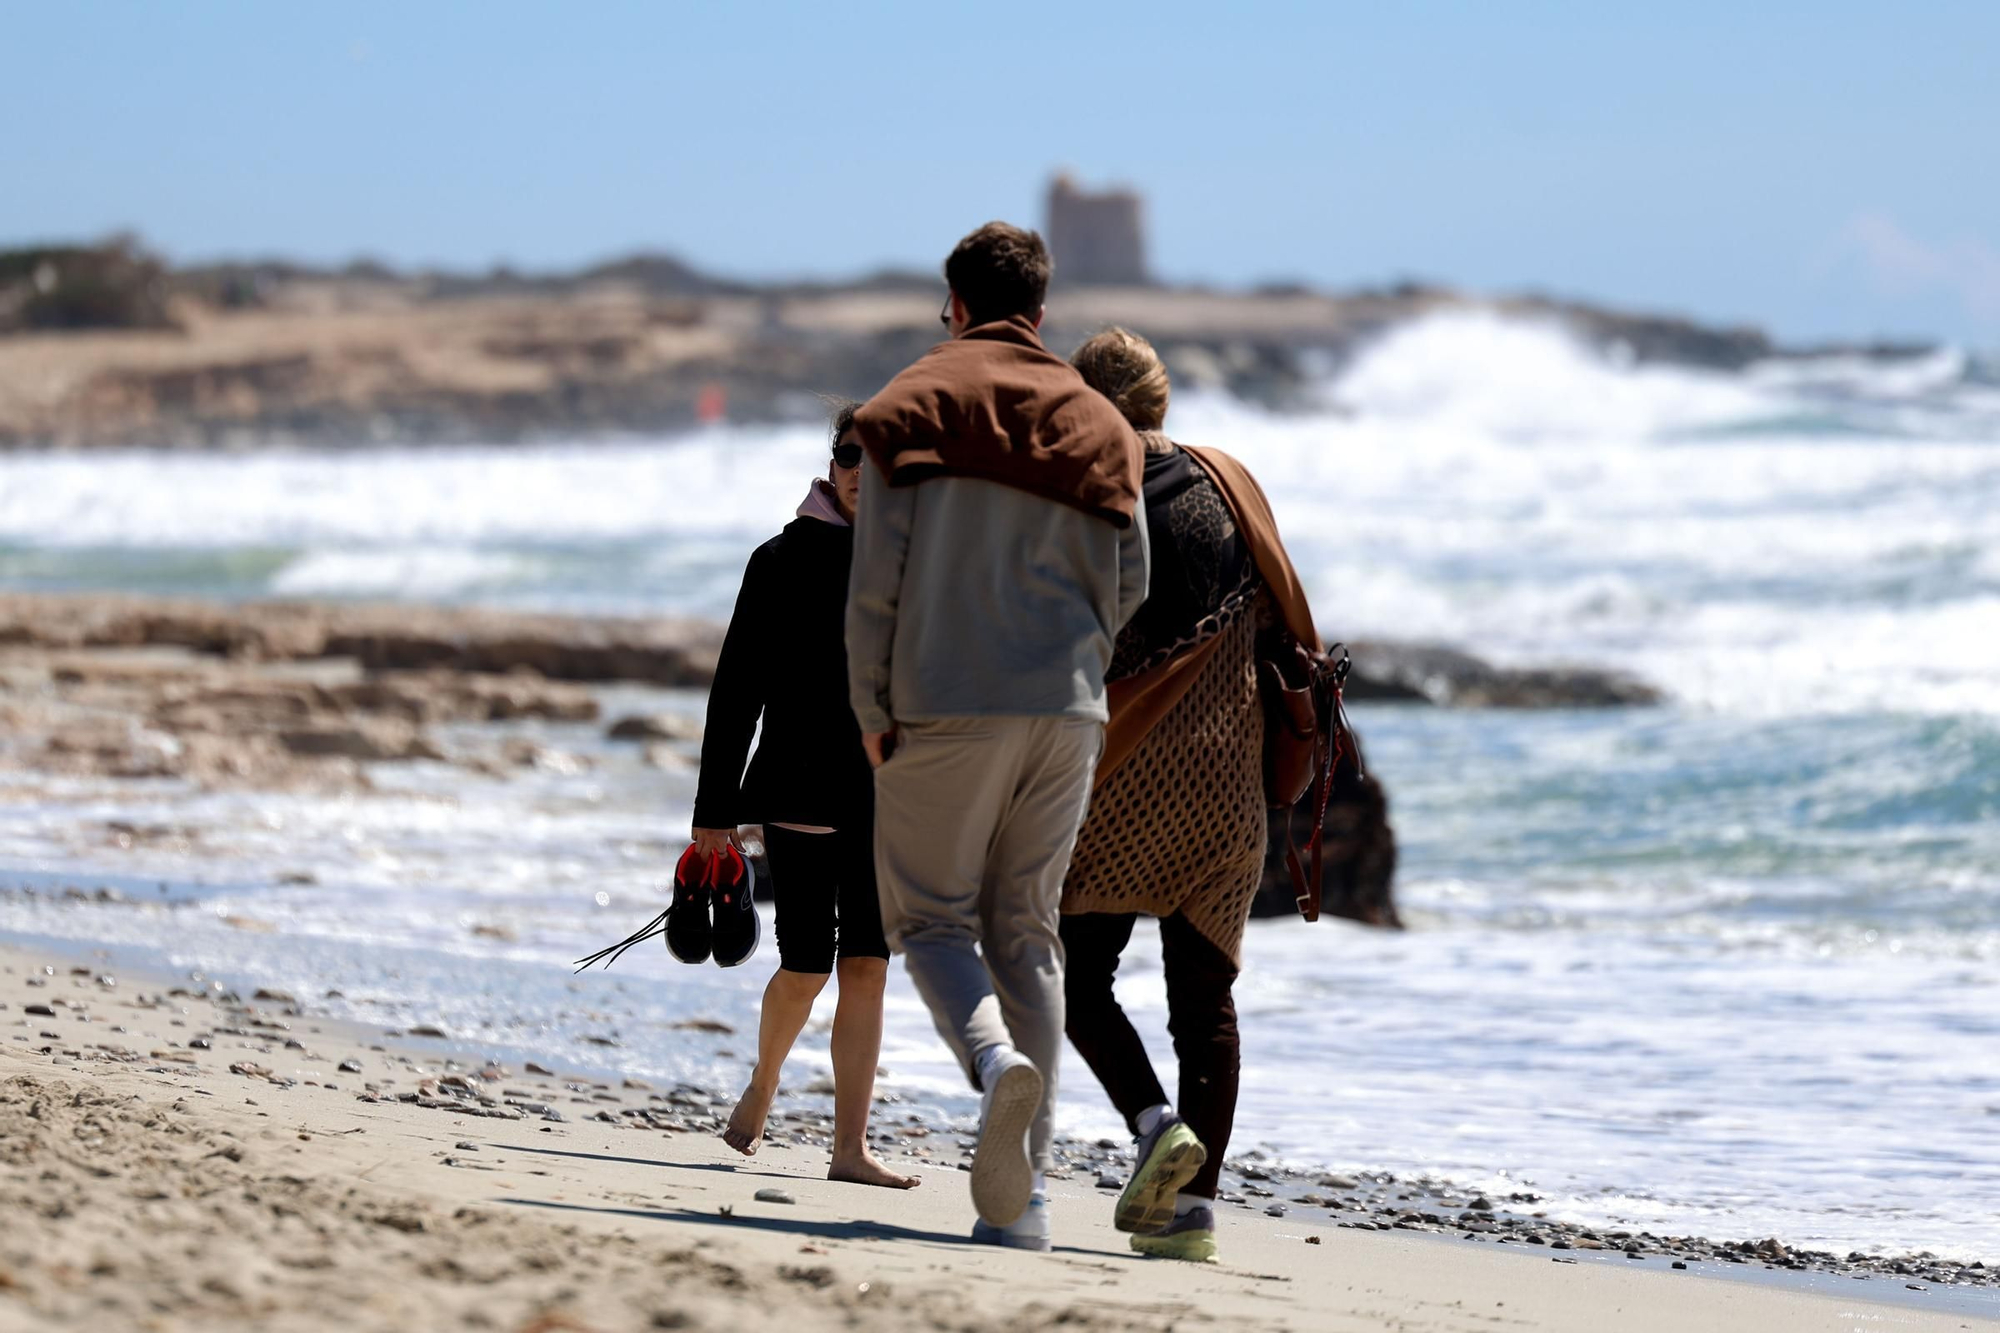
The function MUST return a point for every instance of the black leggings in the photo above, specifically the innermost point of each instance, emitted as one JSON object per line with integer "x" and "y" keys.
{"x": 1201, "y": 1015}
{"x": 824, "y": 884}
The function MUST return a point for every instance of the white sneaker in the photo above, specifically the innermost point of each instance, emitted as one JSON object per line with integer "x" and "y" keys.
{"x": 1003, "y": 1177}
{"x": 1029, "y": 1231}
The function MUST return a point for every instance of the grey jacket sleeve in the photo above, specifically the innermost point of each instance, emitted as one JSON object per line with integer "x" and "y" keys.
{"x": 1135, "y": 560}
{"x": 874, "y": 591}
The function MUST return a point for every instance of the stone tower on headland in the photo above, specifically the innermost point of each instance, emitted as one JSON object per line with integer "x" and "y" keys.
{"x": 1097, "y": 238}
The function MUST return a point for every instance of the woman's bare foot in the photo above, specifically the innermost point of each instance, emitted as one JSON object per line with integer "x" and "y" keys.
{"x": 746, "y": 1122}
{"x": 862, "y": 1168}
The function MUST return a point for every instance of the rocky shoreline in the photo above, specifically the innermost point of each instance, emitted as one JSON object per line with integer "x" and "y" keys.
{"x": 311, "y": 696}
{"x": 672, "y": 653}
{"x": 266, "y": 1044}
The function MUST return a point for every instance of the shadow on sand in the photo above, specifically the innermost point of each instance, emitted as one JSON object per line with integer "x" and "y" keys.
{"x": 822, "y": 1230}
{"x": 802, "y": 1226}
{"x": 724, "y": 1167}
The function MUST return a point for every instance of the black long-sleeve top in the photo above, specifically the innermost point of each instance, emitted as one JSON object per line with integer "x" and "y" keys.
{"x": 1202, "y": 570}
{"x": 784, "y": 659}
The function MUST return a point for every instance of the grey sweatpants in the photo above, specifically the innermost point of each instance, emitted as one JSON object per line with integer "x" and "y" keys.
{"x": 975, "y": 819}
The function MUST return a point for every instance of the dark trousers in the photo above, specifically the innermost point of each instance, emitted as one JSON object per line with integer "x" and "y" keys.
{"x": 1201, "y": 1015}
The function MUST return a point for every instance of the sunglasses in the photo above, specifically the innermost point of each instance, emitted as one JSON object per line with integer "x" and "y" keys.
{"x": 847, "y": 455}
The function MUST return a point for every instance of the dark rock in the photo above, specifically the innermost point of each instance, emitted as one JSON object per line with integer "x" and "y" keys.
{"x": 361, "y": 738}
{"x": 1360, "y": 852}
{"x": 112, "y": 286}
{"x": 1436, "y": 674}
{"x": 655, "y": 727}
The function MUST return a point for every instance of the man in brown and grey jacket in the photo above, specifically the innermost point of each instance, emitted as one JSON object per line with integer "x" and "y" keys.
{"x": 1000, "y": 549}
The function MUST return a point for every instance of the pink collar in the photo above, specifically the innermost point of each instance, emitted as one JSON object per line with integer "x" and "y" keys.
{"x": 822, "y": 503}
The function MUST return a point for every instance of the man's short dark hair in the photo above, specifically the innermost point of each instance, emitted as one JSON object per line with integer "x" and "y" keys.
{"x": 999, "y": 271}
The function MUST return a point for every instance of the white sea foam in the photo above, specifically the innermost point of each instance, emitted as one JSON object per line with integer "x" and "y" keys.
{"x": 1529, "y": 381}
{"x": 418, "y": 572}
{"x": 458, "y": 496}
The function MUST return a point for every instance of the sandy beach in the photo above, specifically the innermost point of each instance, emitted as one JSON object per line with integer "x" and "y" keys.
{"x": 178, "y": 1157}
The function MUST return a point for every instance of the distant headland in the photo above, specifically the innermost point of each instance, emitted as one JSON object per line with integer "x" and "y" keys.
{"x": 109, "y": 345}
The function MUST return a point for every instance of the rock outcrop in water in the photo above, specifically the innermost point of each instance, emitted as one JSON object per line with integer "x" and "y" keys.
{"x": 286, "y": 694}
{"x": 666, "y": 652}
{"x": 216, "y": 722}
{"x": 1437, "y": 674}
{"x": 1360, "y": 852}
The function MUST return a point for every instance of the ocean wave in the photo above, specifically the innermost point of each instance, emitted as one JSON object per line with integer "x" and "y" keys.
{"x": 1520, "y": 379}
{"x": 418, "y": 572}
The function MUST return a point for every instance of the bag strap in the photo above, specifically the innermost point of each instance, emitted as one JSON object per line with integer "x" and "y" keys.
{"x": 1329, "y": 676}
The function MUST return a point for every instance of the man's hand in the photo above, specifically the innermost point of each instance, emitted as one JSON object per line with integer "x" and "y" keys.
{"x": 880, "y": 745}
{"x": 715, "y": 841}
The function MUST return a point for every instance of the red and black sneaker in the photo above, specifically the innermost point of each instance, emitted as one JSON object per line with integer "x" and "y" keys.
{"x": 736, "y": 924}
{"x": 688, "y": 932}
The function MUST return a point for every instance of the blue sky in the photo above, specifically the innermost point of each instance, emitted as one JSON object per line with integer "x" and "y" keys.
{"x": 1824, "y": 169}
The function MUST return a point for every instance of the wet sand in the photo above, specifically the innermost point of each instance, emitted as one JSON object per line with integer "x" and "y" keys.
{"x": 177, "y": 1157}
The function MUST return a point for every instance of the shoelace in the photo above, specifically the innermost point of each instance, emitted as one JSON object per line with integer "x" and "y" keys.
{"x": 711, "y": 871}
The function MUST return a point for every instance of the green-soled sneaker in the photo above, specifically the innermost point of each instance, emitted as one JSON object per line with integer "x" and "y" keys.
{"x": 1190, "y": 1237}
{"x": 1168, "y": 1159}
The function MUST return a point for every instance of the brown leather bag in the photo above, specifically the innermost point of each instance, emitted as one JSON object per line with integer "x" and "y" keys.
{"x": 1304, "y": 720}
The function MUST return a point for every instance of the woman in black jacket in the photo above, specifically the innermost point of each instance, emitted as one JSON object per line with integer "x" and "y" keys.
{"x": 784, "y": 659}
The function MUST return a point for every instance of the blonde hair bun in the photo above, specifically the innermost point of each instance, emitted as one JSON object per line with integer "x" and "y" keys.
{"x": 1123, "y": 366}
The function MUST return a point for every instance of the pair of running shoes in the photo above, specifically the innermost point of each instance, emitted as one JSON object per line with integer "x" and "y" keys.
{"x": 1150, "y": 1208}
{"x": 713, "y": 913}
